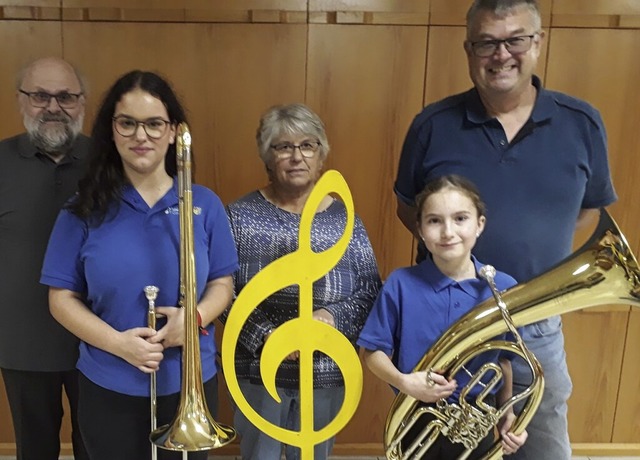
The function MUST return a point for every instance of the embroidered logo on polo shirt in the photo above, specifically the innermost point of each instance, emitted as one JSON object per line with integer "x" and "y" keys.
{"x": 173, "y": 210}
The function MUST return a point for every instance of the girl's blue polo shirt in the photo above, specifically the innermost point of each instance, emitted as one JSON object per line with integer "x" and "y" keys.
{"x": 416, "y": 306}
{"x": 137, "y": 246}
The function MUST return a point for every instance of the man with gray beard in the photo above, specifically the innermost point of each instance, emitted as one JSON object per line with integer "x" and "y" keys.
{"x": 39, "y": 172}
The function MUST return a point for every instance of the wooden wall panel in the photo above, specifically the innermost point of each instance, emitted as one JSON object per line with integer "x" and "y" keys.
{"x": 34, "y": 40}
{"x": 353, "y": 71}
{"x": 157, "y": 10}
{"x": 578, "y": 7}
{"x": 595, "y": 346}
{"x": 454, "y": 12}
{"x": 447, "y": 71}
{"x": 285, "y": 11}
{"x": 606, "y": 78}
{"x": 407, "y": 12}
{"x": 30, "y": 9}
{"x": 250, "y": 68}
{"x": 6, "y": 426}
{"x": 596, "y": 13}
{"x": 626, "y": 428}
{"x": 390, "y": 6}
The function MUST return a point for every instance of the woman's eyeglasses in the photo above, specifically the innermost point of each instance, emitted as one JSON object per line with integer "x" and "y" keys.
{"x": 285, "y": 150}
{"x": 127, "y": 126}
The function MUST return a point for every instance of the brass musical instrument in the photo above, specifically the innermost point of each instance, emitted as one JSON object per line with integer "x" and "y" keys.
{"x": 603, "y": 271}
{"x": 151, "y": 293}
{"x": 193, "y": 428}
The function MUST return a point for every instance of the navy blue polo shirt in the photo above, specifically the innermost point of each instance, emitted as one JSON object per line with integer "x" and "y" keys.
{"x": 534, "y": 186}
{"x": 110, "y": 265}
{"x": 416, "y": 306}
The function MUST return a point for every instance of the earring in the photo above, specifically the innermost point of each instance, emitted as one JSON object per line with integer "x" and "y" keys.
{"x": 477, "y": 234}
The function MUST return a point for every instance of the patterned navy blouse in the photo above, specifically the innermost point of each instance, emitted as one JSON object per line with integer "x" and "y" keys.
{"x": 263, "y": 233}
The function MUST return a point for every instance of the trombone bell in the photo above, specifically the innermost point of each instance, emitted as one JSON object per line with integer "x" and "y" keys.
{"x": 195, "y": 431}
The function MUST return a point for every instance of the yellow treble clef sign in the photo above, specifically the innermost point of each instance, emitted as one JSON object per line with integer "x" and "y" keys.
{"x": 302, "y": 267}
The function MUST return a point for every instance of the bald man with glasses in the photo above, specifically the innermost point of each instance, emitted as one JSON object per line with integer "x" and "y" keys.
{"x": 39, "y": 172}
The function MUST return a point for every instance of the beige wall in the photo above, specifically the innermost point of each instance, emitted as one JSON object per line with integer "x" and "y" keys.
{"x": 367, "y": 67}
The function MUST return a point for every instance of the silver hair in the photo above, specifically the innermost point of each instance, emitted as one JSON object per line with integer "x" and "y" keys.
{"x": 289, "y": 119}
{"x": 24, "y": 70}
{"x": 502, "y": 8}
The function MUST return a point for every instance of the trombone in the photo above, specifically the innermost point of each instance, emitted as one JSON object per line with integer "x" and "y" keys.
{"x": 193, "y": 428}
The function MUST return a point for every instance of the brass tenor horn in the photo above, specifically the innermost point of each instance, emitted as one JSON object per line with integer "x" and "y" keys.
{"x": 193, "y": 428}
{"x": 603, "y": 271}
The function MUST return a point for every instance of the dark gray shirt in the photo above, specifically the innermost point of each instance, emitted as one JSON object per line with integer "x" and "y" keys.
{"x": 33, "y": 189}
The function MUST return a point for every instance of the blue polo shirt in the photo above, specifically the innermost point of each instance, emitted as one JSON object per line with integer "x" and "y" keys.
{"x": 534, "y": 186}
{"x": 416, "y": 306}
{"x": 109, "y": 265}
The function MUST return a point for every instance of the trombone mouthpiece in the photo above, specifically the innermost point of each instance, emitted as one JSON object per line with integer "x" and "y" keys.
{"x": 186, "y": 137}
{"x": 151, "y": 292}
{"x": 183, "y": 134}
{"x": 487, "y": 272}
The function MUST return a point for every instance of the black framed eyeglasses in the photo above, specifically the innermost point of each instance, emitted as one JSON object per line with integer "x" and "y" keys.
{"x": 127, "y": 126}
{"x": 514, "y": 45}
{"x": 41, "y": 99}
{"x": 285, "y": 150}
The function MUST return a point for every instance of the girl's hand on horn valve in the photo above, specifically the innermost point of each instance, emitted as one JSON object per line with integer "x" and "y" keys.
{"x": 136, "y": 348}
{"x": 428, "y": 386}
{"x": 172, "y": 333}
{"x": 510, "y": 441}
